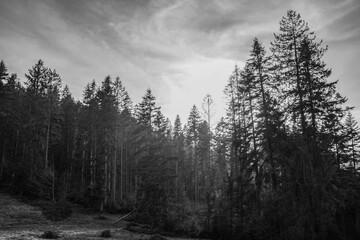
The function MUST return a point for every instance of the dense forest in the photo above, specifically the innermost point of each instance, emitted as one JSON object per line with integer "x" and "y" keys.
{"x": 282, "y": 164}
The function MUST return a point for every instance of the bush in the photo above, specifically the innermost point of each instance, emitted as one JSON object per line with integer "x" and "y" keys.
{"x": 183, "y": 220}
{"x": 50, "y": 235}
{"x": 105, "y": 234}
{"x": 58, "y": 211}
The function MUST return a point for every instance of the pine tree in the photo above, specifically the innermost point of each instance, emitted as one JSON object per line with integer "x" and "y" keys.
{"x": 67, "y": 148}
{"x": 286, "y": 54}
{"x": 264, "y": 87}
{"x": 3, "y": 74}
{"x": 352, "y": 145}
{"x": 88, "y": 130}
{"x": 180, "y": 170}
{"x": 208, "y": 110}
{"x": 316, "y": 108}
{"x": 38, "y": 100}
{"x": 122, "y": 96}
{"x": 52, "y": 90}
{"x": 107, "y": 124}
{"x": 146, "y": 110}
{"x": 159, "y": 124}
{"x": 192, "y": 140}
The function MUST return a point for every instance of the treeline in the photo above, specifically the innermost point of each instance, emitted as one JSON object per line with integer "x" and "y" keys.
{"x": 282, "y": 164}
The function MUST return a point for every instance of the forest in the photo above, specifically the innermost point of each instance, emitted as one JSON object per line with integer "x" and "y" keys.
{"x": 283, "y": 163}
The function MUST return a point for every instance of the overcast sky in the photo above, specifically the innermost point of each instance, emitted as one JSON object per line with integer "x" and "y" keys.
{"x": 181, "y": 49}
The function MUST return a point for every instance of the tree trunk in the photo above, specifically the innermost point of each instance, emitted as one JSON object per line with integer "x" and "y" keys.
{"x": 48, "y": 137}
{"x": 195, "y": 175}
{"x": 83, "y": 168}
{"x": 114, "y": 177}
{"x": 121, "y": 170}
{"x": 2, "y": 164}
{"x": 53, "y": 182}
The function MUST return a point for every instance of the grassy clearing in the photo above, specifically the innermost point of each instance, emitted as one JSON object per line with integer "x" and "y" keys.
{"x": 21, "y": 221}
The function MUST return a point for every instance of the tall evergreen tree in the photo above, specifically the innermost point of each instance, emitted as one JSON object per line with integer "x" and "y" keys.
{"x": 286, "y": 53}
{"x": 146, "y": 110}
{"x": 192, "y": 140}
{"x": 352, "y": 145}
{"x": 107, "y": 122}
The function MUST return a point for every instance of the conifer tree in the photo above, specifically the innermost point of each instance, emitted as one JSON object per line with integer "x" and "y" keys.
{"x": 192, "y": 140}
{"x": 122, "y": 96}
{"x": 88, "y": 130}
{"x": 180, "y": 170}
{"x": 67, "y": 147}
{"x": 3, "y": 74}
{"x": 286, "y": 53}
{"x": 107, "y": 118}
{"x": 146, "y": 110}
{"x": 352, "y": 145}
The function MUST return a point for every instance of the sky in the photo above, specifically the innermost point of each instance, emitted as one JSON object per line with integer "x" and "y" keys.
{"x": 180, "y": 49}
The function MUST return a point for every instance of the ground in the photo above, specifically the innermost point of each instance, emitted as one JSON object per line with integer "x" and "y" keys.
{"x": 22, "y": 221}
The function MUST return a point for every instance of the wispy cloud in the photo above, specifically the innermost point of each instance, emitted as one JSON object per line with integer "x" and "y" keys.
{"x": 176, "y": 47}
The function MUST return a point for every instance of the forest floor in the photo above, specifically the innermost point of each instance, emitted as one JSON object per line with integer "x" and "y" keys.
{"x": 19, "y": 220}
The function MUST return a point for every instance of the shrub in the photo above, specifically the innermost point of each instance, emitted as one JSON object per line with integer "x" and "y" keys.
{"x": 105, "y": 234}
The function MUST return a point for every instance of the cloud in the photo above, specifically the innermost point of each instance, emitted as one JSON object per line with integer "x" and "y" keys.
{"x": 175, "y": 47}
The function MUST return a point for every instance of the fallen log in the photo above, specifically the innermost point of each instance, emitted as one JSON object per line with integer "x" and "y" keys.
{"x": 123, "y": 217}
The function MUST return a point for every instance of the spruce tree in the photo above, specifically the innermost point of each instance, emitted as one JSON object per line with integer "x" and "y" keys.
{"x": 286, "y": 54}
{"x": 146, "y": 109}
{"x": 192, "y": 140}
{"x": 352, "y": 144}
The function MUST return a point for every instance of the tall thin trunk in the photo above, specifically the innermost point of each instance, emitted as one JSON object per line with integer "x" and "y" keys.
{"x": 195, "y": 175}
{"x": 126, "y": 168}
{"x": 115, "y": 165}
{"x": 177, "y": 171}
{"x": 53, "y": 181}
{"x": 83, "y": 168}
{"x": 48, "y": 137}
{"x": 121, "y": 171}
{"x": 104, "y": 198}
{"x": 92, "y": 168}
{"x": 32, "y": 156}
{"x": 2, "y": 161}
{"x": 114, "y": 177}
